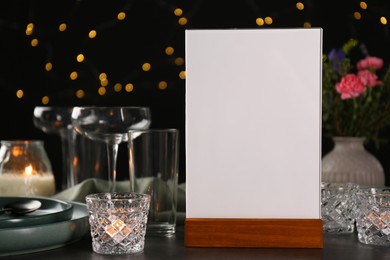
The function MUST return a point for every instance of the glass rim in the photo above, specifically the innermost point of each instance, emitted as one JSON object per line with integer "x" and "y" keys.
{"x": 107, "y": 107}
{"x": 121, "y": 196}
{"x": 154, "y": 130}
{"x": 20, "y": 141}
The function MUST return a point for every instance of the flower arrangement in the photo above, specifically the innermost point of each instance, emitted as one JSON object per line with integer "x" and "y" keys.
{"x": 355, "y": 100}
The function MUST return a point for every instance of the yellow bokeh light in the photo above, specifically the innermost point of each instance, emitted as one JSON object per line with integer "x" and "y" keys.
{"x": 92, "y": 34}
{"x": 19, "y": 93}
{"x": 182, "y": 21}
{"x": 45, "y": 100}
{"x": 129, "y": 87}
{"x": 80, "y": 58}
{"x": 169, "y": 50}
{"x": 73, "y": 75}
{"x": 260, "y": 21}
{"x": 62, "y": 27}
{"x": 80, "y": 93}
{"x": 102, "y": 76}
{"x": 179, "y": 61}
{"x": 307, "y": 25}
{"x": 268, "y": 20}
{"x": 146, "y": 66}
{"x": 48, "y": 66}
{"x": 300, "y": 6}
{"x": 363, "y": 5}
{"x": 162, "y": 85}
{"x": 29, "y": 29}
{"x": 357, "y": 15}
{"x": 178, "y": 11}
{"x": 34, "y": 42}
{"x": 102, "y": 91}
{"x": 182, "y": 74}
{"x": 383, "y": 20}
{"x": 121, "y": 16}
{"x": 117, "y": 87}
{"x": 104, "y": 82}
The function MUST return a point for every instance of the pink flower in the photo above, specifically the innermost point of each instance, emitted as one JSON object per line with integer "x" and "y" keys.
{"x": 370, "y": 63}
{"x": 350, "y": 86}
{"x": 368, "y": 78}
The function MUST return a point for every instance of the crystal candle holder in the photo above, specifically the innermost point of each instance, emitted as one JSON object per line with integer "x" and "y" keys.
{"x": 373, "y": 216}
{"x": 337, "y": 207}
{"x": 118, "y": 222}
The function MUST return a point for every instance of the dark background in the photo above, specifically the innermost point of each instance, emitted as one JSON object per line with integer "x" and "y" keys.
{"x": 121, "y": 47}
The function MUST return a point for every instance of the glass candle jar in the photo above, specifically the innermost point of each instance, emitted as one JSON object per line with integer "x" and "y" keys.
{"x": 25, "y": 169}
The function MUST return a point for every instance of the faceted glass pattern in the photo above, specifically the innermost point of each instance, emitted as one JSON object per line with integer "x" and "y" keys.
{"x": 337, "y": 207}
{"x": 118, "y": 222}
{"x": 373, "y": 216}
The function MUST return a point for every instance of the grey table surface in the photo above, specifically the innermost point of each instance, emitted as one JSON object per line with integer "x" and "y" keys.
{"x": 335, "y": 247}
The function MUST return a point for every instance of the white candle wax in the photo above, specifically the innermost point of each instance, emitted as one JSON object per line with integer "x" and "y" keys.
{"x": 14, "y": 184}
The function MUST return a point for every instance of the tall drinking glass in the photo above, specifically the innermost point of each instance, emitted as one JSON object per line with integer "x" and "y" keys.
{"x": 110, "y": 125}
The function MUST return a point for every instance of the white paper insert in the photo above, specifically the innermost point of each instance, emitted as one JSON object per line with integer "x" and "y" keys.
{"x": 253, "y": 123}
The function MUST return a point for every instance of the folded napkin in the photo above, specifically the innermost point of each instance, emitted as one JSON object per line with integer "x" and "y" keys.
{"x": 93, "y": 185}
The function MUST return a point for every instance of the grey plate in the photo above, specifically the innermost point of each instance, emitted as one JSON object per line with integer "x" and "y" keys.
{"x": 22, "y": 240}
{"x": 51, "y": 210}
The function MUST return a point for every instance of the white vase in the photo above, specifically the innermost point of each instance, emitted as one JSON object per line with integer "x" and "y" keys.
{"x": 349, "y": 161}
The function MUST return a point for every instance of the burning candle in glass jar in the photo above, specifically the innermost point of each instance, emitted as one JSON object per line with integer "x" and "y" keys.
{"x": 25, "y": 169}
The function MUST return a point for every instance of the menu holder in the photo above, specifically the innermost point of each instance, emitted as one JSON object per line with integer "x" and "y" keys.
{"x": 253, "y": 138}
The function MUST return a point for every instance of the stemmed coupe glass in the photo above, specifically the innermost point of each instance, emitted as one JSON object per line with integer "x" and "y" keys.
{"x": 56, "y": 120}
{"x": 110, "y": 125}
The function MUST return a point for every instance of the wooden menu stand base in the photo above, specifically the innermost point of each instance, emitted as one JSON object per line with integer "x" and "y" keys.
{"x": 262, "y": 233}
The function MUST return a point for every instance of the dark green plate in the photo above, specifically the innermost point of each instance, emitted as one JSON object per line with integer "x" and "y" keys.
{"x": 29, "y": 239}
{"x": 51, "y": 211}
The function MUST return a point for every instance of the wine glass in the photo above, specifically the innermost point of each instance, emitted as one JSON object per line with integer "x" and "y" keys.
{"x": 56, "y": 120}
{"x": 110, "y": 125}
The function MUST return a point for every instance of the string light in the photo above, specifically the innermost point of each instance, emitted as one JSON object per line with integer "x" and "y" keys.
{"x": 117, "y": 87}
{"x": 19, "y": 93}
{"x": 363, "y": 5}
{"x": 34, "y": 42}
{"x": 383, "y": 20}
{"x": 102, "y": 91}
{"x": 48, "y": 66}
{"x": 300, "y": 6}
{"x": 45, "y": 100}
{"x": 129, "y": 87}
{"x": 260, "y": 21}
{"x": 182, "y": 21}
{"x": 80, "y": 93}
{"x": 268, "y": 20}
{"x": 162, "y": 85}
{"x": 178, "y": 12}
{"x": 92, "y": 34}
{"x": 179, "y": 61}
{"x": 182, "y": 75}
{"x": 29, "y": 29}
{"x": 62, "y": 27}
{"x": 169, "y": 50}
{"x": 73, "y": 75}
{"x": 357, "y": 15}
{"x": 146, "y": 66}
{"x": 121, "y": 16}
{"x": 80, "y": 58}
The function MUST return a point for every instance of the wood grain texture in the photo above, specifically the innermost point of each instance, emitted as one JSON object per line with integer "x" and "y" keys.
{"x": 262, "y": 233}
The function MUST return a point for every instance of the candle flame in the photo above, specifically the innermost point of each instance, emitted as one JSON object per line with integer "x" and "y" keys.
{"x": 28, "y": 170}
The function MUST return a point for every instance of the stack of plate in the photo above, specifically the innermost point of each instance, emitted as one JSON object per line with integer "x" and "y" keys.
{"x": 56, "y": 223}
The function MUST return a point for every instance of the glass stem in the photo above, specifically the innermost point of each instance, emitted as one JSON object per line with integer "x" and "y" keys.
{"x": 65, "y": 182}
{"x": 112, "y": 154}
